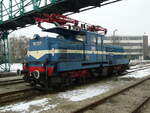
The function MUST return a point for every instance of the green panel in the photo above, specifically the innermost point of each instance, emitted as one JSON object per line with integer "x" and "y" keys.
{"x": 22, "y": 10}
{"x": 35, "y": 4}
{"x": 10, "y": 9}
{"x": 54, "y": 1}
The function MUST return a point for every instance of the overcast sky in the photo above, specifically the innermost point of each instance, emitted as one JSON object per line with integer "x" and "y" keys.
{"x": 129, "y": 17}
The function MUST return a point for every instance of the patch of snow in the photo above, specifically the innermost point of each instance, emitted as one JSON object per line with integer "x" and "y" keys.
{"x": 24, "y": 107}
{"x": 13, "y": 67}
{"x": 139, "y": 65}
{"x": 130, "y": 70}
{"x": 133, "y": 68}
{"x": 136, "y": 66}
{"x": 138, "y": 74}
{"x": 133, "y": 62}
{"x": 139, "y": 61}
{"x": 82, "y": 94}
{"x": 45, "y": 108}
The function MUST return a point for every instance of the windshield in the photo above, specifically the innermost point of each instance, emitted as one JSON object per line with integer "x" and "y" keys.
{"x": 80, "y": 37}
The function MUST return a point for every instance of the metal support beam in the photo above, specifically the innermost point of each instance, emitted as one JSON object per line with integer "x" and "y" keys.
{"x": 14, "y": 13}
{"x": 22, "y": 10}
{"x": 10, "y": 9}
{"x": 35, "y": 4}
{"x": 1, "y": 12}
{"x": 4, "y": 52}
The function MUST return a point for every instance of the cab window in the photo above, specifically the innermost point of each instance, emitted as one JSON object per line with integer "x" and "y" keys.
{"x": 80, "y": 37}
{"x": 99, "y": 40}
{"x": 93, "y": 39}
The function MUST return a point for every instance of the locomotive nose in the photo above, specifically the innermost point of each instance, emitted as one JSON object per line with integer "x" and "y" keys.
{"x": 36, "y": 74}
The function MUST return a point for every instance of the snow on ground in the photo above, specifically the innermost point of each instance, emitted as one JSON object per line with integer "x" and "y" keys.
{"x": 138, "y": 65}
{"x": 133, "y": 68}
{"x": 134, "y": 62}
{"x": 13, "y": 67}
{"x": 82, "y": 94}
{"x": 91, "y": 91}
{"x": 25, "y": 107}
{"x": 138, "y": 74}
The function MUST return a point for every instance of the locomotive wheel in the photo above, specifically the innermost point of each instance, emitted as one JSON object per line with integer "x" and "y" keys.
{"x": 25, "y": 78}
{"x": 95, "y": 73}
{"x": 65, "y": 82}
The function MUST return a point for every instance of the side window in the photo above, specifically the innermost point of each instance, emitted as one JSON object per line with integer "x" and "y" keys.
{"x": 93, "y": 39}
{"x": 80, "y": 37}
{"x": 99, "y": 40}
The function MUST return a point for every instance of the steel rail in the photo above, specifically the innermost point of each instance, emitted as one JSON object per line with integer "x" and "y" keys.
{"x": 101, "y": 101}
{"x": 8, "y": 74}
{"x": 10, "y": 80}
{"x": 14, "y": 92}
{"x": 139, "y": 107}
{"x": 15, "y": 95}
{"x": 4, "y": 83}
{"x": 11, "y": 94}
{"x": 17, "y": 81}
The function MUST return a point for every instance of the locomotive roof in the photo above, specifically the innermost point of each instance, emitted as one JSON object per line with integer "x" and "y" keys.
{"x": 63, "y": 31}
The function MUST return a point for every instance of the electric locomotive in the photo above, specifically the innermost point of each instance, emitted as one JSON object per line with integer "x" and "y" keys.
{"x": 75, "y": 53}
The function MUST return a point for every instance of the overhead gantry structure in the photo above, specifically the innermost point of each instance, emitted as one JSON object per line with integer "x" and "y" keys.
{"x": 17, "y": 14}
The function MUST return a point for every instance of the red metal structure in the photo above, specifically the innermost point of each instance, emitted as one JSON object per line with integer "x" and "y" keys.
{"x": 61, "y": 20}
{"x": 52, "y": 18}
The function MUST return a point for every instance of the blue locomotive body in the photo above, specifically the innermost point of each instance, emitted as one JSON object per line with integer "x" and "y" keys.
{"x": 72, "y": 54}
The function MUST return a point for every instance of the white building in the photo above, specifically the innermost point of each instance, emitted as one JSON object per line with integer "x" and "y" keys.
{"x": 135, "y": 46}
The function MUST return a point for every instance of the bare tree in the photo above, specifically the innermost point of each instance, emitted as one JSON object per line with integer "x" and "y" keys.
{"x": 18, "y": 47}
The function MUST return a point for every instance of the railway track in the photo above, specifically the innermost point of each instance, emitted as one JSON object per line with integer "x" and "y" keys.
{"x": 18, "y": 92}
{"x": 4, "y": 81}
{"x": 7, "y": 74}
{"x": 114, "y": 95}
{"x": 15, "y": 95}
{"x": 139, "y": 108}
{"x": 11, "y": 80}
{"x": 27, "y": 91}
